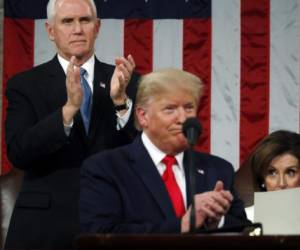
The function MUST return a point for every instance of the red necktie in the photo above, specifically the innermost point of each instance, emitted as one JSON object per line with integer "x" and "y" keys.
{"x": 172, "y": 186}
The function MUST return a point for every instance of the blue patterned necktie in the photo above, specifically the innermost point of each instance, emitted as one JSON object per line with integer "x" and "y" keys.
{"x": 85, "y": 108}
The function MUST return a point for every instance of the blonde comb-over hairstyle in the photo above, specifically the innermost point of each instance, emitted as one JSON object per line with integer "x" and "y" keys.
{"x": 157, "y": 83}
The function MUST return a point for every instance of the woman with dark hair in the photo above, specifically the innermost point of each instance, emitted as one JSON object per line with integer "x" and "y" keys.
{"x": 275, "y": 163}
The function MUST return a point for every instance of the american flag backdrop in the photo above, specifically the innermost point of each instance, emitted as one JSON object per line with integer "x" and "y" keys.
{"x": 245, "y": 51}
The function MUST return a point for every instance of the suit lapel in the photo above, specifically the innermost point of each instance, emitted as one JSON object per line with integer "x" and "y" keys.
{"x": 101, "y": 85}
{"x": 57, "y": 82}
{"x": 146, "y": 170}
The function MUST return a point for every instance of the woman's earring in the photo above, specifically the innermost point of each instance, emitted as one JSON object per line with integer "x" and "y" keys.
{"x": 263, "y": 185}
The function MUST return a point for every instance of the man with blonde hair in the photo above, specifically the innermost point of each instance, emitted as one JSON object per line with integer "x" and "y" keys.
{"x": 59, "y": 113}
{"x": 146, "y": 183}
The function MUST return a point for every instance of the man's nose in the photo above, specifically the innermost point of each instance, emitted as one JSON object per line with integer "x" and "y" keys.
{"x": 181, "y": 115}
{"x": 77, "y": 27}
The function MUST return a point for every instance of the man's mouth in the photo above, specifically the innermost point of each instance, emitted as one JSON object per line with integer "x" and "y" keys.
{"x": 78, "y": 41}
{"x": 176, "y": 131}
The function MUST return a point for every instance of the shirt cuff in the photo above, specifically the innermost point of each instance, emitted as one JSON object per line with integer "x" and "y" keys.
{"x": 123, "y": 119}
{"x": 221, "y": 222}
{"x": 68, "y": 127}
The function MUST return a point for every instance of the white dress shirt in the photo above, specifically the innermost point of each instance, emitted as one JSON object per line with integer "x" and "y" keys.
{"x": 250, "y": 213}
{"x": 157, "y": 156}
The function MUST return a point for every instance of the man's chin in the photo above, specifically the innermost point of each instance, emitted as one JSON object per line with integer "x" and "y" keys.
{"x": 81, "y": 55}
{"x": 182, "y": 139}
{"x": 80, "y": 51}
{"x": 181, "y": 145}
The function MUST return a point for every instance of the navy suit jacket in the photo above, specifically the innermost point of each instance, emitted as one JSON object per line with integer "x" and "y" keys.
{"x": 46, "y": 211}
{"x": 123, "y": 192}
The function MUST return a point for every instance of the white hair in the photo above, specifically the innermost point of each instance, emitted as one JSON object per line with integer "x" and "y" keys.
{"x": 51, "y": 9}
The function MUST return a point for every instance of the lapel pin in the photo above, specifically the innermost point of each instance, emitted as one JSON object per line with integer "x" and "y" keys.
{"x": 102, "y": 85}
{"x": 200, "y": 171}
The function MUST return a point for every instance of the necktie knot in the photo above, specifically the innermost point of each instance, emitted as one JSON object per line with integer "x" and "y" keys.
{"x": 82, "y": 72}
{"x": 169, "y": 160}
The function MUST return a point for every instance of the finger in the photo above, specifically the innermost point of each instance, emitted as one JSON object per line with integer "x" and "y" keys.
{"x": 218, "y": 209}
{"x": 131, "y": 60}
{"x": 73, "y": 60}
{"x": 120, "y": 60}
{"x": 222, "y": 200}
{"x": 206, "y": 212}
{"x": 77, "y": 76}
{"x": 127, "y": 64}
{"x": 223, "y": 195}
{"x": 205, "y": 203}
{"x": 219, "y": 186}
{"x": 226, "y": 195}
{"x": 215, "y": 206}
{"x": 70, "y": 72}
{"x": 71, "y": 64}
{"x": 125, "y": 72}
{"x": 120, "y": 76}
{"x": 220, "y": 197}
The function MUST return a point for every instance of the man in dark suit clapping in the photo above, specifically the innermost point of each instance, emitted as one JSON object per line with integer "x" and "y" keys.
{"x": 59, "y": 113}
{"x": 143, "y": 187}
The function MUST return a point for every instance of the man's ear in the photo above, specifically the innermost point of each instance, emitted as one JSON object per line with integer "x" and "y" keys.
{"x": 141, "y": 116}
{"x": 49, "y": 30}
{"x": 98, "y": 25}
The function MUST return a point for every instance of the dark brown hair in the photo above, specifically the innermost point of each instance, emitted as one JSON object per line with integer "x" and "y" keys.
{"x": 273, "y": 145}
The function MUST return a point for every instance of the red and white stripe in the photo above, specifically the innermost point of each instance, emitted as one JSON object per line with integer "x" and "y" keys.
{"x": 247, "y": 54}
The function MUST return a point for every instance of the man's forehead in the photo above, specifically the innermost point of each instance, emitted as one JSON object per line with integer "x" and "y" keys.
{"x": 73, "y": 16}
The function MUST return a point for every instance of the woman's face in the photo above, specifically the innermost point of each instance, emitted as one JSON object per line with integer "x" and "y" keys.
{"x": 283, "y": 173}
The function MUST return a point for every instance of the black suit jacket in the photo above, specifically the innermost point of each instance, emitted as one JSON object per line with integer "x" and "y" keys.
{"x": 123, "y": 192}
{"x": 46, "y": 210}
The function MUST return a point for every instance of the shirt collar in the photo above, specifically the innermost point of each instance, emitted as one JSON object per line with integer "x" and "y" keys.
{"x": 156, "y": 154}
{"x": 88, "y": 66}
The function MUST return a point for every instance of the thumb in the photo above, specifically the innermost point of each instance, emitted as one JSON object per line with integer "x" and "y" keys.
{"x": 219, "y": 186}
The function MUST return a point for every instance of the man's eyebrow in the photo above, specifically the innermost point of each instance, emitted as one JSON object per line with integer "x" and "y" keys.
{"x": 67, "y": 18}
{"x": 86, "y": 18}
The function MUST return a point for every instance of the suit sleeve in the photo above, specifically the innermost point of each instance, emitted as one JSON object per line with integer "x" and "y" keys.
{"x": 101, "y": 206}
{"x": 131, "y": 91}
{"x": 30, "y": 134}
{"x": 236, "y": 215}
